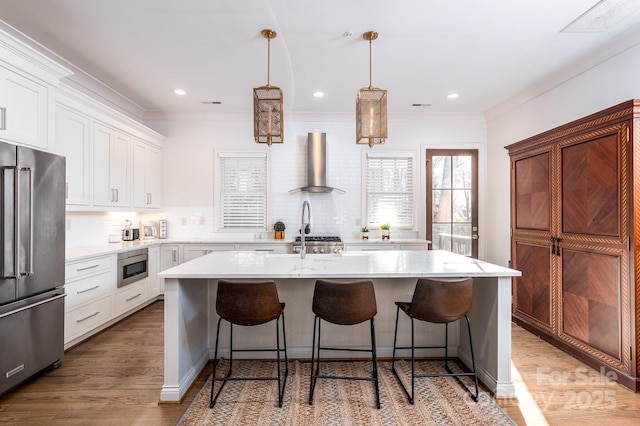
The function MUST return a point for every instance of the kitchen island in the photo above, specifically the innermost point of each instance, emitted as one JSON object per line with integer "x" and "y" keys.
{"x": 190, "y": 316}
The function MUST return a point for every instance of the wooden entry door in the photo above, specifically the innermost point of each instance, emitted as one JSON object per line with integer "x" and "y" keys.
{"x": 452, "y": 201}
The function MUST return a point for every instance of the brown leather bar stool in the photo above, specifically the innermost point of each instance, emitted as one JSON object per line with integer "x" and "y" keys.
{"x": 343, "y": 304}
{"x": 442, "y": 301}
{"x": 249, "y": 304}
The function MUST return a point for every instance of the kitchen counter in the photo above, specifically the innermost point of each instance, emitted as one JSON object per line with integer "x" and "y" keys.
{"x": 190, "y": 319}
{"x": 79, "y": 253}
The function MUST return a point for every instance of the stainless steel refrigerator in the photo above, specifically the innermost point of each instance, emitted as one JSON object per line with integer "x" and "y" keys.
{"x": 32, "y": 215}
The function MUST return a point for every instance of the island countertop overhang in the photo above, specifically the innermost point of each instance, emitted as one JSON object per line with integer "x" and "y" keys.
{"x": 379, "y": 264}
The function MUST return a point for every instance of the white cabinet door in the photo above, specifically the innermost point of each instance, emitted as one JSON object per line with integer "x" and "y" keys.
{"x": 111, "y": 167}
{"x": 73, "y": 141}
{"x": 24, "y": 110}
{"x": 368, "y": 247}
{"x": 411, "y": 246}
{"x": 146, "y": 175}
{"x": 120, "y": 169}
{"x": 266, "y": 248}
{"x": 170, "y": 256}
{"x": 154, "y": 268}
{"x": 193, "y": 251}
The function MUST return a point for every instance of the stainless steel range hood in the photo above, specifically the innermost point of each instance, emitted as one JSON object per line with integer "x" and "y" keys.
{"x": 317, "y": 165}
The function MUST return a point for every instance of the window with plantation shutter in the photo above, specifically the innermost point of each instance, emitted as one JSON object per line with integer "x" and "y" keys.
{"x": 390, "y": 190}
{"x": 243, "y": 191}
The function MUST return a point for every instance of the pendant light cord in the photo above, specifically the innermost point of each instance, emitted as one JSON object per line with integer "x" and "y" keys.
{"x": 370, "y": 67}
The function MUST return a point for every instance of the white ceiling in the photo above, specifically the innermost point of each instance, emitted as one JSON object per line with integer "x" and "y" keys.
{"x": 487, "y": 50}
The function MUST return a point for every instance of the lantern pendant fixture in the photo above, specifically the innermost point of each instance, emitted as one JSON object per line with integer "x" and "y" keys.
{"x": 268, "y": 115}
{"x": 371, "y": 108}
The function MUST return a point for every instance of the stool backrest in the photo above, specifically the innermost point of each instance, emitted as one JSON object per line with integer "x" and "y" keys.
{"x": 441, "y": 300}
{"x": 248, "y": 303}
{"x": 344, "y": 303}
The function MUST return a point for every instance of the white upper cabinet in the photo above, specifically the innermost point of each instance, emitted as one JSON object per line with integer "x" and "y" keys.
{"x": 111, "y": 166}
{"x": 73, "y": 141}
{"x": 146, "y": 175}
{"x": 24, "y": 110}
{"x": 113, "y": 162}
{"x": 28, "y": 80}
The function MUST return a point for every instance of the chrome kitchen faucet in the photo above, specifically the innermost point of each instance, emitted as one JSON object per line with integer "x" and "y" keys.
{"x": 303, "y": 228}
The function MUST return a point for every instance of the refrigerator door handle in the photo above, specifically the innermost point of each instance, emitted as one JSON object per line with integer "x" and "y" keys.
{"x": 29, "y": 270}
{"x": 24, "y": 308}
{"x": 9, "y": 223}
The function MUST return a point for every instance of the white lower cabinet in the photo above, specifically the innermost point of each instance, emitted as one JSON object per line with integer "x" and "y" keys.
{"x": 193, "y": 251}
{"x": 88, "y": 304}
{"x": 380, "y": 246}
{"x": 88, "y": 289}
{"x": 170, "y": 256}
{"x": 94, "y": 300}
{"x": 131, "y": 296}
{"x": 267, "y": 248}
{"x": 82, "y": 320}
{"x": 155, "y": 285}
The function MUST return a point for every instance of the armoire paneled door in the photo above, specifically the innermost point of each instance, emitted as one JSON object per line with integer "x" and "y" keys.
{"x": 572, "y": 226}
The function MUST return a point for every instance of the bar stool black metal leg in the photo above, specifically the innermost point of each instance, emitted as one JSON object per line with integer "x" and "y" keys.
{"x": 413, "y": 363}
{"x": 312, "y": 385}
{"x": 395, "y": 340}
{"x": 375, "y": 362}
{"x": 473, "y": 359}
{"x": 213, "y": 398}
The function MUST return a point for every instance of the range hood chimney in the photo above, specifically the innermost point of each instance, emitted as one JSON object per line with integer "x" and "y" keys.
{"x": 317, "y": 165}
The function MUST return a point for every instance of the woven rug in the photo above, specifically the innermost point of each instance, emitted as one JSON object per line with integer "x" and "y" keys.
{"x": 439, "y": 401}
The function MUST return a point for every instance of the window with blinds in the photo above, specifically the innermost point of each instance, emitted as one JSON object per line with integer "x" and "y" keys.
{"x": 243, "y": 191}
{"x": 389, "y": 190}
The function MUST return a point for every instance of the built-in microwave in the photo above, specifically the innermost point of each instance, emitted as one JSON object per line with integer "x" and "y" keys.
{"x": 132, "y": 266}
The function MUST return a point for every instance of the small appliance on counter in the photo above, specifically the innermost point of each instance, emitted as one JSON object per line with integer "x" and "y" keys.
{"x": 127, "y": 232}
{"x": 163, "y": 229}
{"x": 149, "y": 231}
{"x": 136, "y": 233}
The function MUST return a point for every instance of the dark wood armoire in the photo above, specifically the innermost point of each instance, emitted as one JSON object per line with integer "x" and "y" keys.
{"x": 575, "y": 236}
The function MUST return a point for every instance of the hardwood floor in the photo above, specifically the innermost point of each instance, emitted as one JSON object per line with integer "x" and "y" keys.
{"x": 556, "y": 389}
{"x": 115, "y": 378}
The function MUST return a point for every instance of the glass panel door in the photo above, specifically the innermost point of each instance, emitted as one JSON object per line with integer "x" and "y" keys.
{"x": 452, "y": 181}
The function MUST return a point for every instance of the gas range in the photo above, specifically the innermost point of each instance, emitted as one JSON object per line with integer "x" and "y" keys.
{"x": 319, "y": 244}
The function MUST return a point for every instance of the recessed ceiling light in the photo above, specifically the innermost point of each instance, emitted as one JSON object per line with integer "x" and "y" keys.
{"x": 318, "y": 94}
{"x": 180, "y": 92}
{"x": 453, "y": 95}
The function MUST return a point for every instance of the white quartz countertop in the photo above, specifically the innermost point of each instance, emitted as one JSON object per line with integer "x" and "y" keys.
{"x": 79, "y": 253}
{"x": 378, "y": 264}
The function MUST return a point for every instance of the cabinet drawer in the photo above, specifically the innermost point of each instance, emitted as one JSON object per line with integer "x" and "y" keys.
{"x": 76, "y": 270}
{"x": 87, "y": 289}
{"x": 132, "y": 296}
{"x": 86, "y": 318}
{"x": 267, "y": 248}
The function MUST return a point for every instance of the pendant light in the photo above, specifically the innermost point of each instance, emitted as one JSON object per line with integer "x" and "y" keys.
{"x": 268, "y": 115}
{"x": 371, "y": 108}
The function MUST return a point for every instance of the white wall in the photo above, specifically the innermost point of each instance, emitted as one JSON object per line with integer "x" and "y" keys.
{"x": 604, "y": 85}
{"x": 189, "y": 167}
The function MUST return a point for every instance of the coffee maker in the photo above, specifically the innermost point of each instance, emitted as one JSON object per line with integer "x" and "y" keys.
{"x": 127, "y": 232}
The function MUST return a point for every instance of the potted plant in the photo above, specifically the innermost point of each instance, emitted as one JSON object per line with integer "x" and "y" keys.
{"x": 386, "y": 227}
{"x": 365, "y": 232}
{"x": 279, "y": 228}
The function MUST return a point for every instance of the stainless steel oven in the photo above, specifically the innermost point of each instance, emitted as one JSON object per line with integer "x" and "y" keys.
{"x": 132, "y": 266}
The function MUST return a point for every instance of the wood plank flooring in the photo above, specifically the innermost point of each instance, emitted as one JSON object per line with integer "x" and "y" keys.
{"x": 115, "y": 378}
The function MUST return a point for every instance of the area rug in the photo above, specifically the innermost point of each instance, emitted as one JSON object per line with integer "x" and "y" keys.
{"x": 439, "y": 401}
